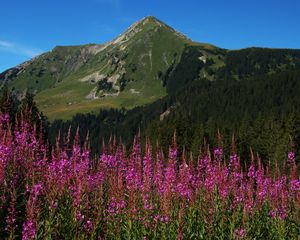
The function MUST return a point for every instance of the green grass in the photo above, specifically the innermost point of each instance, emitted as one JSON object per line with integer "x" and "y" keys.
{"x": 68, "y": 98}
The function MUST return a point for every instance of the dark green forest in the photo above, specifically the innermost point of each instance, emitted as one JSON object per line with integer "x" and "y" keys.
{"x": 253, "y": 99}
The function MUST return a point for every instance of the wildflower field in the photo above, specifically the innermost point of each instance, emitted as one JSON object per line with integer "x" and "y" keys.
{"x": 66, "y": 194}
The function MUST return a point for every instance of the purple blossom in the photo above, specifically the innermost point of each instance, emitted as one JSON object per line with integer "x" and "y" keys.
{"x": 278, "y": 213}
{"x": 218, "y": 152}
{"x": 133, "y": 180}
{"x": 251, "y": 172}
{"x": 158, "y": 173}
{"x": 148, "y": 173}
{"x": 29, "y": 230}
{"x": 133, "y": 186}
{"x": 88, "y": 226}
{"x": 164, "y": 219}
{"x": 234, "y": 162}
{"x": 79, "y": 216}
{"x": 116, "y": 206}
{"x": 291, "y": 157}
{"x": 4, "y": 118}
{"x": 170, "y": 171}
{"x": 295, "y": 185}
{"x": 11, "y": 218}
{"x": 240, "y": 233}
{"x": 109, "y": 160}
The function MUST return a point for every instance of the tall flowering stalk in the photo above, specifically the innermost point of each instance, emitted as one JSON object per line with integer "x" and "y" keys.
{"x": 170, "y": 177}
{"x": 159, "y": 172}
{"x": 148, "y": 169}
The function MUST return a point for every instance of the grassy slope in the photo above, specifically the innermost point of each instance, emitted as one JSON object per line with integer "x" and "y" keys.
{"x": 68, "y": 97}
{"x": 56, "y": 75}
{"x": 47, "y": 69}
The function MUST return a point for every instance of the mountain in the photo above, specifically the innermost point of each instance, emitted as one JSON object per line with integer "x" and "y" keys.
{"x": 126, "y": 72}
{"x": 149, "y": 61}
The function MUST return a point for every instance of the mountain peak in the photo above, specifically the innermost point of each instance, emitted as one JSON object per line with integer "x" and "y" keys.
{"x": 150, "y": 19}
{"x": 147, "y": 23}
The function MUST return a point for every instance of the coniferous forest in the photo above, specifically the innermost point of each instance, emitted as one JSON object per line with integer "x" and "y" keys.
{"x": 260, "y": 110}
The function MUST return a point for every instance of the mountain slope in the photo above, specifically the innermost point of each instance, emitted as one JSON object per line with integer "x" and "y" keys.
{"x": 125, "y": 72}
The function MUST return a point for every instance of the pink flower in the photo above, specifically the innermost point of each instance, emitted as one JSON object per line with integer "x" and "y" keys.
{"x": 158, "y": 173}
{"x": 29, "y": 230}
{"x": 240, "y": 233}
{"x": 88, "y": 226}
{"x": 234, "y": 162}
{"x": 170, "y": 172}
{"x": 109, "y": 160}
{"x": 291, "y": 157}
{"x": 295, "y": 185}
{"x": 218, "y": 152}
{"x": 148, "y": 173}
{"x": 251, "y": 172}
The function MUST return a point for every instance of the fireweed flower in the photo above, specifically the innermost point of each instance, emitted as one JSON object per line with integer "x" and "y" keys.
{"x": 147, "y": 202}
{"x": 148, "y": 174}
{"x": 11, "y": 218}
{"x": 184, "y": 181}
{"x": 119, "y": 185}
{"x": 88, "y": 226}
{"x": 251, "y": 171}
{"x": 222, "y": 174}
{"x": 135, "y": 162}
{"x": 234, "y": 162}
{"x": 240, "y": 233}
{"x": 95, "y": 180}
{"x": 210, "y": 179}
{"x": 116, "y": 206}
{"x": 79, "y": 216}
{"x": 279, "y": 213}
{"x": 218, "y": 152}
{"x": 201, "y": 171}
{"x": 184, "y": 190}
{"x": 249, "y": 199}
{"x": 164, "y": 219}
{"x": 158, "y": 172}
{"x": 5, "y": 154}
{"x": 4, "y": 119}
{"x": 36, "y": 190}
{"x": 170, "y": 171}
{"x": 132, "y": 179}
{"x": 295, "y": 185}
{"x": 291, "y": 157}
{"x": 109, "y": 160}
{"x": 29, "y": 230}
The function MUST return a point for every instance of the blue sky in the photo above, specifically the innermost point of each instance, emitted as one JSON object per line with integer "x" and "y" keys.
{"x": 29, "y": 27}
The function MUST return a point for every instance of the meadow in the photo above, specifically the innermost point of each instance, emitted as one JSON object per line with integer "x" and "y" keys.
{"x": 64, "y": 193}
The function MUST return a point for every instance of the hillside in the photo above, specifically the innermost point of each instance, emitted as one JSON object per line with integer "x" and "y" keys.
{"x": 125, "y": 72}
